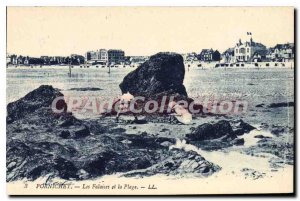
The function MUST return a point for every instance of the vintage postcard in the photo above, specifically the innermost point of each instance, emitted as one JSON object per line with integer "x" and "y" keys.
{"x": 150, "y": 100}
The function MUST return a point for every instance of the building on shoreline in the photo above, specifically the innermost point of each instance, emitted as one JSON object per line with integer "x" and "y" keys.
{"x": 259, "y": 56}
{"x": 282, "y": 52}
{"x": 91, "y": 56}
{"x": 74, "y": 59}
{"x": 209, "y": 55}
{"x": 243, "y": 52}
{"x": 115, "y": 56}
{"x": 228, "y": 56}
{"x": 190, "y": 57}
{"x": 11, "y": 59}
{"x": 97, "y": 57}
{"x": 103, "y": 56}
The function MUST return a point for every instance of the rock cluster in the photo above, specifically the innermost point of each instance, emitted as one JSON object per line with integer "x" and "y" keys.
{"x": 179, "y": 163}
{"x": 41, "y": 143}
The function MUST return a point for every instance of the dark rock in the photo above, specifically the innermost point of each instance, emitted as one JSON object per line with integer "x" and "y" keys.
{"x": 118, "y": 130}
{"x": 238, "y": 131}
{"x": 264, "y": 125}
{"x": 260, "y": 105}
{"x": 144, "y": 133}
{"x": 41, "y": 143}
{"x": 219, "y": 135}
{"x": 140, "y": 121}
{"x": 86, "y": 89}
{"x": 282, "y": 104}
{"x": 211, "y": 131}
{"x": 98, "y": 128}
{"x": 162, "y": 73}
{"x": 96, "y": 164}
{"x": 81, "y": 132}
{"x": 261, "y": 136}
{"x": 69, "y": 122}
{"x": 65, "y": 134}
{"x": 35, "y": 160}
{"x": 238, "y": 141}
{"x": 240, "y": 127}
{"x": 179, "y": 163}
{"x": 277, "y": 130}
{"x": 38, "y": 98}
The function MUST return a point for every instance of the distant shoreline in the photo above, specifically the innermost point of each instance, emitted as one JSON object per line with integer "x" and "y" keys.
{"x": 204, "y": 66}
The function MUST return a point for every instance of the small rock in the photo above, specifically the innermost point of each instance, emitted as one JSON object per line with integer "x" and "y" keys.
{"x": 204, "y": 169}
{"x": 211, "y": 131}
{"x": 261, "y": 136}
{"x": 238, "y": 141}
{"x": 245, "y": 126}
{"x": 65, "y": 134}
{"x": 144, "y": 133}
{"x": 164, "y": 130}
{"x": 82, "y": 132}
{"x": 238, "y": 131}
{"x": 277, "y": 130}
{"x": 11, "y": 165}
{"x": 282, "y": 104}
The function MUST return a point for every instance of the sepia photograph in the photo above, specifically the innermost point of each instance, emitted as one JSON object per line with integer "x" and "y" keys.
{"x": 150, "y": 100}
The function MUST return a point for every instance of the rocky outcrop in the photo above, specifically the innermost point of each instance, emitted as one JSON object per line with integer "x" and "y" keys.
{"x": 39, "y": 98}
{"x": 212, "y": 131}
{"x": 240, "y": 127}
{"x": 162, "y": 74}
{"x": 179, "y": 163}
{"x": 42, "y": 143}
{"x": 219, "y": 135}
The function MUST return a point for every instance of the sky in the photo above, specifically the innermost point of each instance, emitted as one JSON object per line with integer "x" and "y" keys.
{"x": 61, "y": 31}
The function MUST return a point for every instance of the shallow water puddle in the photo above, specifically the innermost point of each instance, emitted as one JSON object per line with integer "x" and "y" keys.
{"x": 250, "y": 139}
{"x": 233, "y": 162}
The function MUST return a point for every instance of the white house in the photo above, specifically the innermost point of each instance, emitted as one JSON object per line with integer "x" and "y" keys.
{"x": 243, "y": 52}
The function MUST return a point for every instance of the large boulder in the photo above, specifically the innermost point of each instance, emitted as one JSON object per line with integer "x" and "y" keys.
{"x": 219, "y": 135}
{"x": 212, "y": 131}
{"x": 163, "y": 74}
{"x": 240, "y": 127}
{"x": 41, "y": 97}
{"x": 222, "y": 129}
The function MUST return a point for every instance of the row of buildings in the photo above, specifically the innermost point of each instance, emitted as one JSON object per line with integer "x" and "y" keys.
{"x": 248, "y": 51}
{"x": 74, "y": 59}
{"x": 103, "y": 56}
{"x": 242, "y": 52}
{"x": 111, "y": 57}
